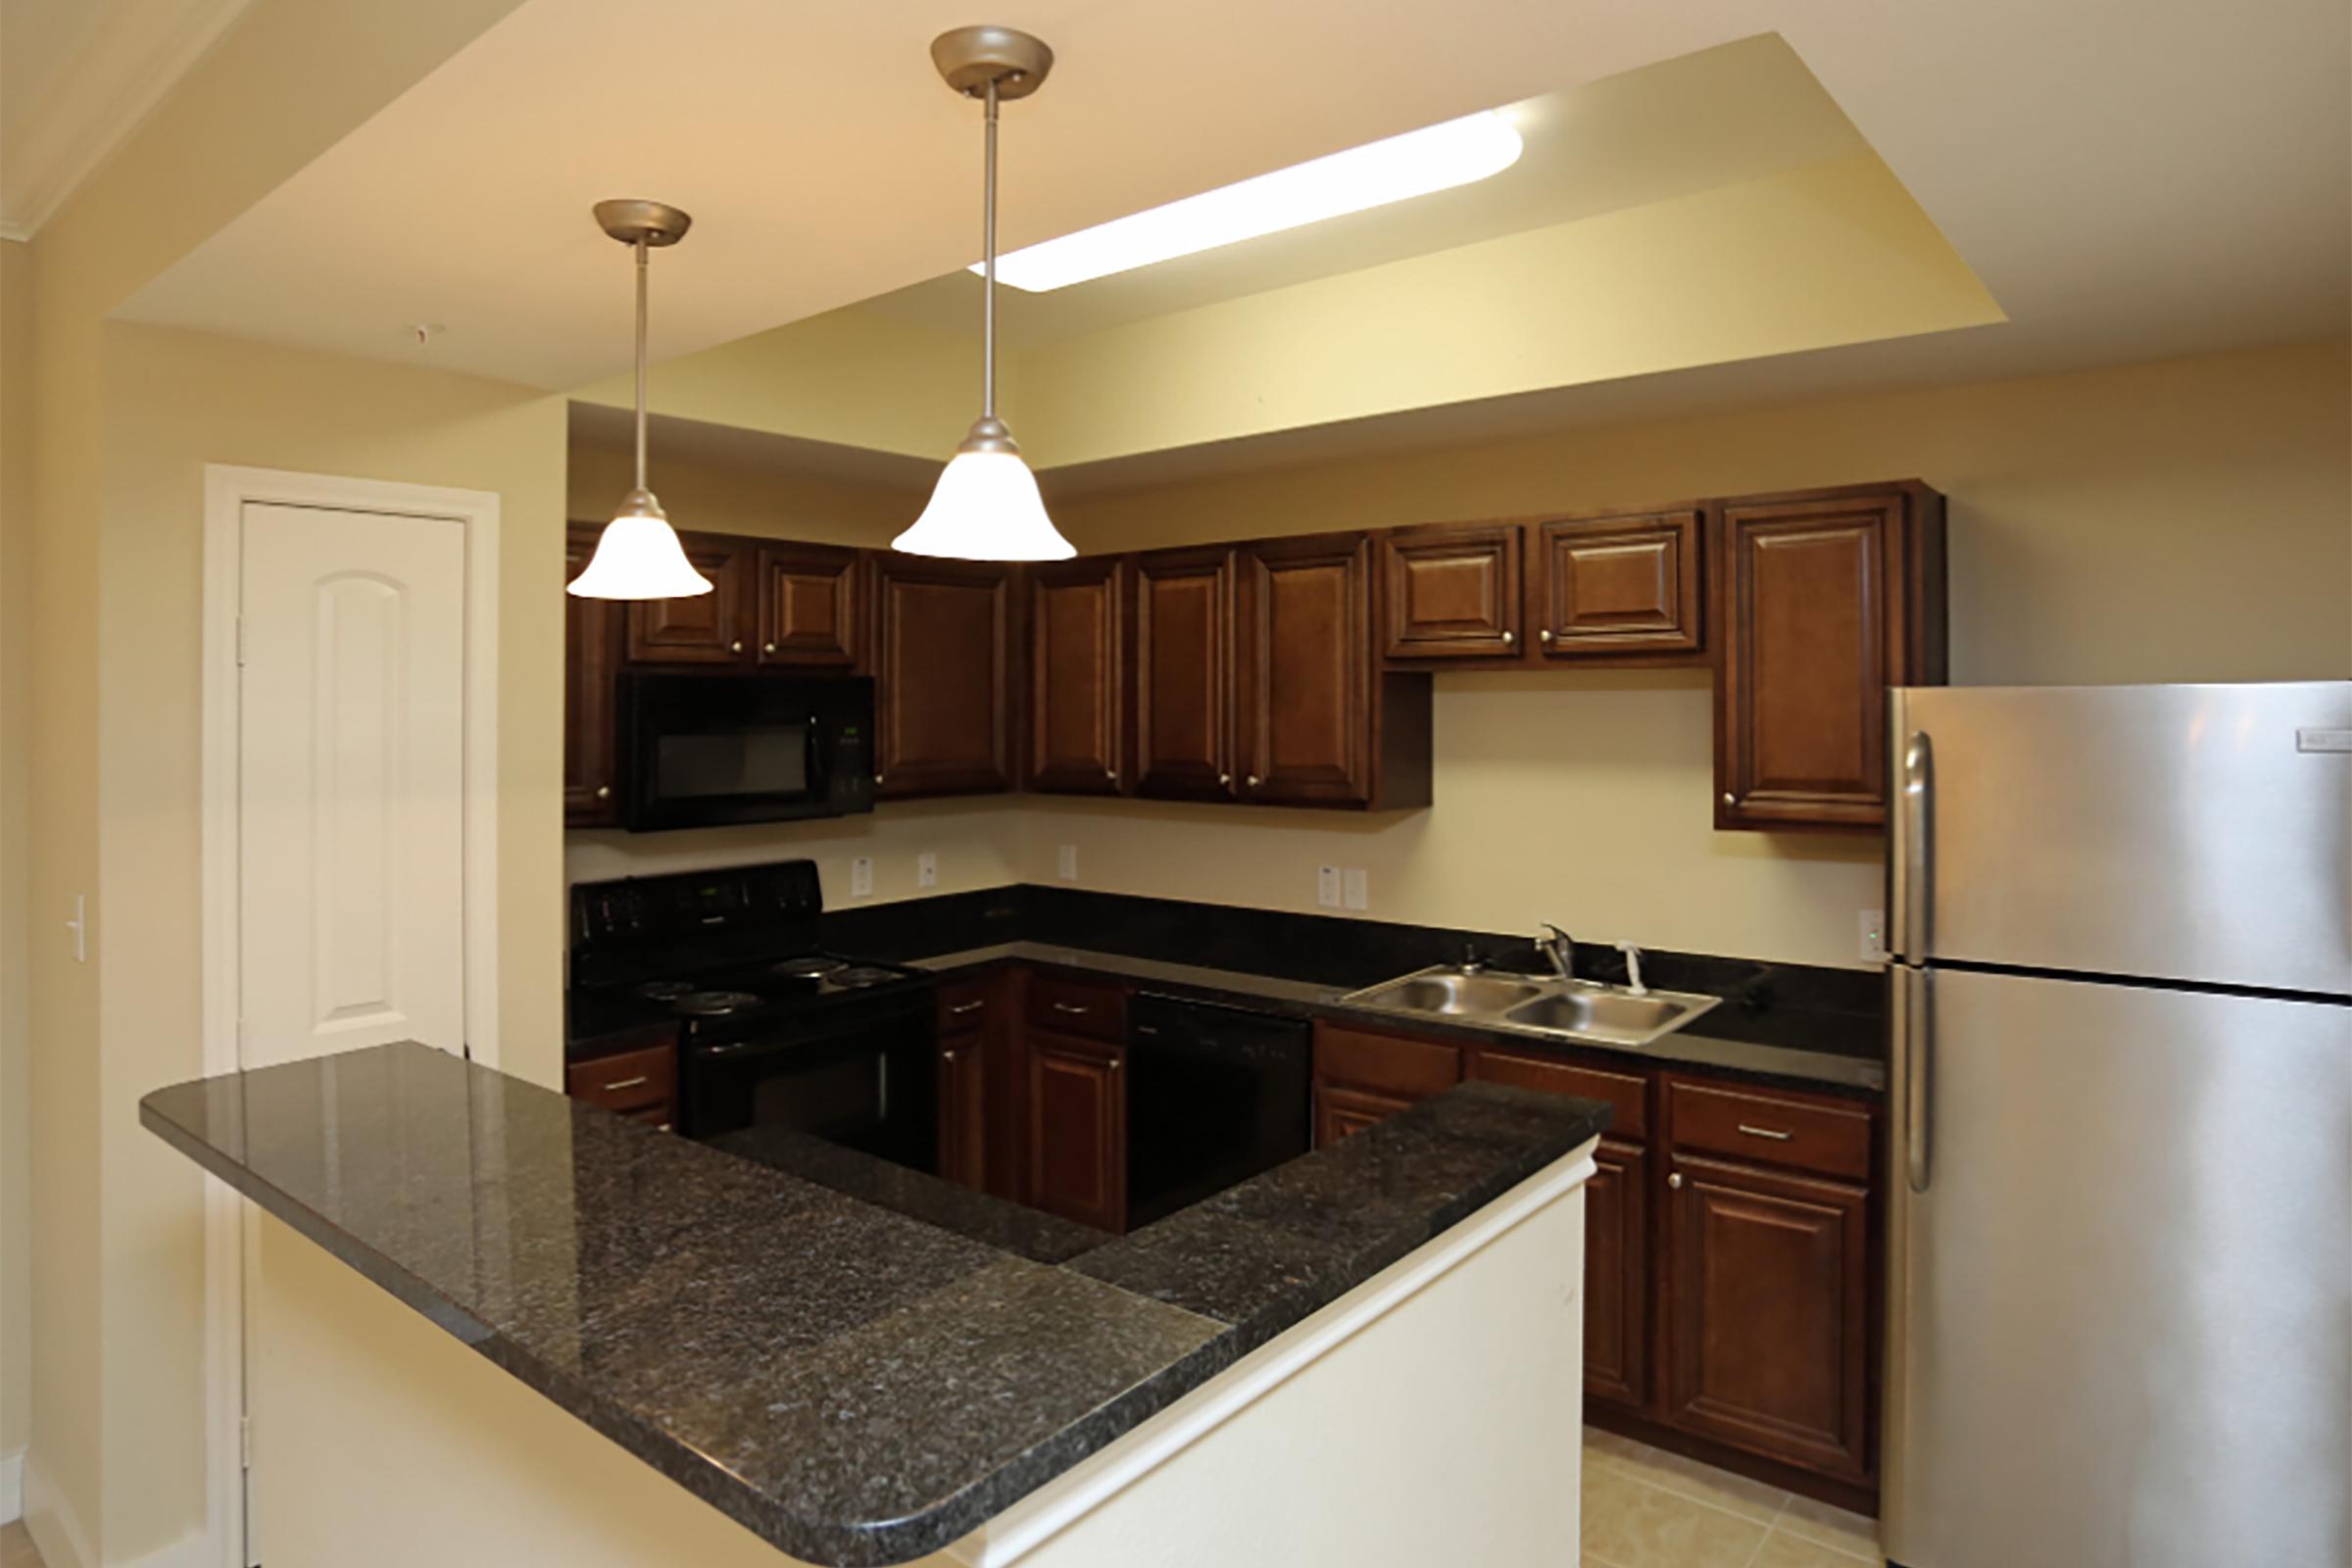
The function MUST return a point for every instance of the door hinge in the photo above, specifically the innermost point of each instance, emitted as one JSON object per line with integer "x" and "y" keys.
{"x": 245, "y": 1442}
{"x": 241, "y": 642}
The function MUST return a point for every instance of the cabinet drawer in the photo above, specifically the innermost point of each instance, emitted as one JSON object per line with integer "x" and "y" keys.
{"x": 1078, "y": 1007}
{"x": 630, "y": 1080}
{"x": 1627, "y": 1093}
{"x": 965, "y": 1005}
{"x": 1769, "y": 1129}
{"x": 1412, "y": 1068}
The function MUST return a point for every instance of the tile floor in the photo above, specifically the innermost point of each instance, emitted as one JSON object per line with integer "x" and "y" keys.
{"x": 16, "y": 1549}
{"x": 1648, "y": 1509}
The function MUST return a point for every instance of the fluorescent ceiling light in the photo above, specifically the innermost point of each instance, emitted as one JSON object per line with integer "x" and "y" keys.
{"x": 1415, "y": 164}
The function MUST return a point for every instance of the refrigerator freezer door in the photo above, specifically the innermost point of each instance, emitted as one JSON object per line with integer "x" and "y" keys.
{"x": 2120, "y": 1314}
{"x": 2170, "y": 832}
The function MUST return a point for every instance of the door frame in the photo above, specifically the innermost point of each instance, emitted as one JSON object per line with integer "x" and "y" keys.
{"x": 227, "y": 490}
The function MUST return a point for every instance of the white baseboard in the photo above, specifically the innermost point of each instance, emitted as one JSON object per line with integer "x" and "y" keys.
{"x": 12, "y": 1487}
{"x": 50, "y": 1518}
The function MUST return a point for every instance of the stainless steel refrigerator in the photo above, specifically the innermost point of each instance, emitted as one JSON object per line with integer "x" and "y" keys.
{"x": 2119, "y": 1326}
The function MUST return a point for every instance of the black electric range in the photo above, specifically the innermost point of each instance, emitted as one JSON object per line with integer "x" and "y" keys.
{"x": 772, "y": 1030}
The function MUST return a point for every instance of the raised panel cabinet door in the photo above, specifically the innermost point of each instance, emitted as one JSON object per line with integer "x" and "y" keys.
{"x": 1341, "y": 1110}
{"x": 1617, "y": 1275}
{"x": 1078, "y": 1130}
{"x": 712, "y": 628}
{"x": 1184, "y": 673}
{"x": 1451, "y": 592}
{"x": 592, "y": 642}
{"x": 1767, "y": 1293}
{"x": 1623, "y": 588}
{"x": 964, "y": 1108}
{"x": 1077, "y": 708}
{"x": 808, "y": 611}
{"x": 1306, "y": 697}
{"x": 1825, "y": 602}
{"x": 942, "y": 696}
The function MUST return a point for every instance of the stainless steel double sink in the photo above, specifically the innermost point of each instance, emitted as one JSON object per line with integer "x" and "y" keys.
{"x": 1569, "y": 1012}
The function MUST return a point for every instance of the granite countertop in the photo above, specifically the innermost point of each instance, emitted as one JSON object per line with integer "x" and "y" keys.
{"x": 785, "y": 1345}
{"x": 1693, "y": 1044}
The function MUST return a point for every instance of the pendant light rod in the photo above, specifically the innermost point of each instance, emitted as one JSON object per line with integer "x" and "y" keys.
{"x": 642, "y": 250}
{"x": 988, "y": 257}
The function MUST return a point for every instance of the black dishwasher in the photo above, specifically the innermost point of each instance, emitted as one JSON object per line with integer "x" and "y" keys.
{"x": 1215, "y": 1095}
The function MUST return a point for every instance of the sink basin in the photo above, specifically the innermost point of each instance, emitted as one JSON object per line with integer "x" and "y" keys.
{"x": 1567, "y": 1011}
{"x": 1452, "y": 994}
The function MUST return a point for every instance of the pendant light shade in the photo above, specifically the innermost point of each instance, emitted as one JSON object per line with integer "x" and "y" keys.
{"x": 986, "y": 505}
{"x": 638, "y": 555}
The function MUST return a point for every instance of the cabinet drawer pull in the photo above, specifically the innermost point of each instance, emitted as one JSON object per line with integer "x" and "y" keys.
{"x": 1544, "y": 634}
{"x": 1774, "y": 1133}
{"x": 1251, "y": 781}
{"x": 1675, "y": 1181}
{"x": 767, "y": 648}
{"x": 1509, "y": 637}
{"x": 734, "y": 647}
{"x": 604, "y": 792}
{"x": 1224, "y": 778}
{"x": 949, "y": 1056}
{"x": 638, "y": 1082}
{"x": 962, "y": 1008}
{"x": 1070, "y": 1007}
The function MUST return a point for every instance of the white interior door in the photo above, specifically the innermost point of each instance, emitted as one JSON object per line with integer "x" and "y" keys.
{"x": 351, "y": 786}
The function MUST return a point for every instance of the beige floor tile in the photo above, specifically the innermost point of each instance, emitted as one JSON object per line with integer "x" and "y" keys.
{"x": 1605, "y": 1448}
{"x": 1825, "y": 1526}
{"x": 1632, "y": 1524}
{"x": 1782, "y": 1550}
{"x": 16, "y": 1549}
{"x": 1702, "y": 1483}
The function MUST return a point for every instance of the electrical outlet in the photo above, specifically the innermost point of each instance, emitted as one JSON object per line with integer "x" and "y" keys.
{"x": 862, "y": 877}
{"x": 926, "y": 870}
{"x": 1874, "y": 936}
{"x": 1359, "y": 889}
{"x": 1065, "y": 863}
{"x": 1327, "y": 885}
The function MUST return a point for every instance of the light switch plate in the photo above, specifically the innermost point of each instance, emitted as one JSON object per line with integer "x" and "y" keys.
{"x": 862, "y": 877}
{"x": 1874, "y": 936}
{"x": 926, "y": 870}
{"x": 1360, "y": 888}
{"x": 1065, "y": 863}
{"x": 1327, "y": 885}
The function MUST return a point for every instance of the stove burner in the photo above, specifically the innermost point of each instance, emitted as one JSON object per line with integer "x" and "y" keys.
{"x": 860, "y": 976}
{"x": 813, "y": 967}
{"x": 663, "y": 990}
{"x": 714, "y": 1004}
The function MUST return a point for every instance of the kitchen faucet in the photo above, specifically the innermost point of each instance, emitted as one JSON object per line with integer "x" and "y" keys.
{"x": 1560, "y": 948}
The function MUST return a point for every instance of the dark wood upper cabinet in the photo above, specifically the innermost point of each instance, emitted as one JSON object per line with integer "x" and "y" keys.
{"x": 942, "y": 675}
{"x": 1078, "y": 1129}
{"x": 1077, "y": 697}
{"x": 1307, "y": 672}
{"x": 1825, "y": 600}
{"x": 1767, "y": 1298}
{"x": 712, "y": 628}
{"x": 808, "y": 610}
{"x": 1451, "y": 592}
{"x": 1625, "y": 589}
{"x": 592, "y": 642}
{"x": 1184, "y": 673}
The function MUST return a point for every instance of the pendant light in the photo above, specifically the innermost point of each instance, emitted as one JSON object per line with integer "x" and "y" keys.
{"x": 986, "y": 507}
{"x": 638, "y": 556}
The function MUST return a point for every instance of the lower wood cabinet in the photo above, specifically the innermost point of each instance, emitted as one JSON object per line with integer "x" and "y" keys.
{"x": 638, "y": 1079}
{"x": 1341, "y": 1110}
{"x": 963, "y": 1120}
{"x": 1077, "y": 1129}
{"x": 1617, "y": 1274}
{"x": 1767, "y": 1285}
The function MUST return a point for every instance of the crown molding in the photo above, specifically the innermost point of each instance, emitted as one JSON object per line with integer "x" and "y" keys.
{"x": 97, "y": 97}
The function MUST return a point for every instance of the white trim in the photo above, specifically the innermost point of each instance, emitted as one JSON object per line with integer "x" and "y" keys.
{"x": 1018, "y": 1532}
{"x": 227, "y": 490}
{"x": 12, "y": 1487}
{"x": 51, "y": 1519}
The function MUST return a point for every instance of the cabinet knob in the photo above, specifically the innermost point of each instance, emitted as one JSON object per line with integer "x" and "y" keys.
{"x": 604, "y": 792}
{"x": 736, "y": 648}
{"x": 1509, "y": 637}
{"x": 1544, "y": 635}
{"x": 1729, "y": 798}
{"x": 767, "y": 648}
{"x": 1116, "y": 1062}
{"x": 1224, "y": 778}
{"x": 1675, "y": 1181}
{"x": 949, "y": 1056}
{"x": 878, "y": 778}
{"x": 1250, "y": 781}
{"x": 1111, "y": 773}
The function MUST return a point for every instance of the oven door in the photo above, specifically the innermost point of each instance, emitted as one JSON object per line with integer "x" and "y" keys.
{"x": 704, "y": 750}
{"x": 873, "y": 1086}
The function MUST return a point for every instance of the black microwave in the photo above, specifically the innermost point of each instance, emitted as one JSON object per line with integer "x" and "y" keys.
{"x": 706, "y": 749}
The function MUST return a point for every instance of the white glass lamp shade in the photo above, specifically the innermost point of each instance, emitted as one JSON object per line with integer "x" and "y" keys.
{"x": 986, "y": 509}
{"x": 638, "y": 557}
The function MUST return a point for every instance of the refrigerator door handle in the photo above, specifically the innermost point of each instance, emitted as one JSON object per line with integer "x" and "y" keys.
{"x": 1911, "y": 867}
{"x": 1915, "y": 1043}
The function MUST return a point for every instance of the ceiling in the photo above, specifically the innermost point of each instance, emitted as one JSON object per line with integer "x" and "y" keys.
{"x": 2127, "y": 181}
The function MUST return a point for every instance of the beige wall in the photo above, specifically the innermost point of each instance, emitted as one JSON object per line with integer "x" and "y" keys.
{"x": 2189, "y": 520}
{"x": 16, "y": 779}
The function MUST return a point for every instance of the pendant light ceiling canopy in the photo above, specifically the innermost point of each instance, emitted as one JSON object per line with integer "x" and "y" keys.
{"x": 638, "y": 556}
{"x": 987, "y": 506}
